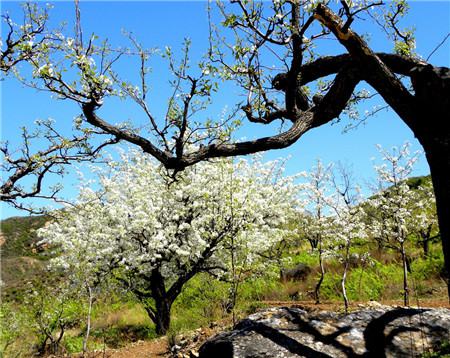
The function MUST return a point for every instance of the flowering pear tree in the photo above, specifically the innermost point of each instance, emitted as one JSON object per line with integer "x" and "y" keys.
{"x": 317, "y": 193}
{"x": 347, "y": 221}
{"x": 396, "y": 201}
{"x": 153, "y": 233}
{"x": 425, "y": 225}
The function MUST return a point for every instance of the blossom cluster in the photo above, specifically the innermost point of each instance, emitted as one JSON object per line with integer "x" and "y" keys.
{"x": 143, "y": 218}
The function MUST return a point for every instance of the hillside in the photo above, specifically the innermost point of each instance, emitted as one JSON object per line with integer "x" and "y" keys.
{"x": 21, "y": 259}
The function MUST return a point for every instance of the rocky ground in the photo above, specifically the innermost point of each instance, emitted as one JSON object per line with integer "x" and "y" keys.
{"x": 377, "y": 331}
{"x": 303, "y": 330}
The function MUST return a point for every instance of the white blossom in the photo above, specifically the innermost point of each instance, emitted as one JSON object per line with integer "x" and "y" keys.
{"x": 142, "y": 219}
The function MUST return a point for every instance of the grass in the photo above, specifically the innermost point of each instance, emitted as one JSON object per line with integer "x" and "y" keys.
{"x": 118, "y": 319}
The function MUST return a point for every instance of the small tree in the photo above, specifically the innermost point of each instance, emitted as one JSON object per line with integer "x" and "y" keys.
{"x": 51, "y": 309}
{"x": 155, "y": 231}
{"x": 425, "y": 226}
{"x": 394, "y": 204}
{"x": 12, "y": 324}
{"x": 347, "y": 224}
{"x": 317, "y": 191}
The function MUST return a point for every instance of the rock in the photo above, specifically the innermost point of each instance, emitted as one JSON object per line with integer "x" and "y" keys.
{"x": 298, "y": 273}
{"x": 380, "y": 331}
{"x": 193, "y": 354}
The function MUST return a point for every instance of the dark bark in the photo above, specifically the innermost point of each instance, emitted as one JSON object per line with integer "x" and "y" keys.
{"x": 439, "y": 160}
{"x": 322, "y": 276}
{"x": 162, "y": 317}
{"x": 426, "y": 112}
{"x": 432, "y": 89}
{"x": 163, "y": 304}
{"x": 313, "y": 242}
{"x": 426, "y": 248}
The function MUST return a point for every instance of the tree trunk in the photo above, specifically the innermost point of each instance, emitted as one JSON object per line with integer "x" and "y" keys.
{"x": 440, "y": 168}
{"x": 163, "y": 304}
{"x": 88, "y": 319}
{"x": 432, "y": 95}
{"x": 405, "y": 276}
{"x": 162, "y": 316}
{"x": 344, "y": 277}
{"x": 322, "y": 275}
{"x": 426, "y": 248}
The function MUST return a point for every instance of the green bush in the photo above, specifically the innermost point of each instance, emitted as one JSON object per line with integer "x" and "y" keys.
{"x": 426, "y": 268}
{"x": 12, "y": 325}
{"x": 73, "y": 344}
{"x": 365, "y": 284}
{"x": 305, "y": 257}
{"x": 441, "y": 351}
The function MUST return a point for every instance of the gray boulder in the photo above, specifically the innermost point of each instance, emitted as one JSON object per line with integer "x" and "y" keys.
{"x": 298, "y": 273}
{"x": 377, "y": 332}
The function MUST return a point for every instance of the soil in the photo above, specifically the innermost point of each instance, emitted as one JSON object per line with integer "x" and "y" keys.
{"x": 140, "y": 349}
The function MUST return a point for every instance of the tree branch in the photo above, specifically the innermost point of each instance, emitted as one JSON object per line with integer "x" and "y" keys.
{"x": 376, "y": 73}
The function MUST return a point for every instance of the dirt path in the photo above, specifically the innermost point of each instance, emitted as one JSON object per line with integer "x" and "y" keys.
{"x": 156, "y": 348}
{"x": 143, "y": 349}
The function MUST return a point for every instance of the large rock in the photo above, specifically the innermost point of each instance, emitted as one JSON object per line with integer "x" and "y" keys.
{"x": 376, "y": 332}
{"x": 298, "y": 273}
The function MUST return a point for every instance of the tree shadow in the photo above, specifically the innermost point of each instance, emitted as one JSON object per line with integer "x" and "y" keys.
{"x": 376, "y": 341}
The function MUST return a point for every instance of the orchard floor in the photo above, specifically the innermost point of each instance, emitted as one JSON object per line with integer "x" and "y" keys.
{"x": 159, "y": 348}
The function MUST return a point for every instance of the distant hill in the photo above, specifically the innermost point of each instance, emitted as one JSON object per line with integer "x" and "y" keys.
{"x": 21, "y": 259}
{"x": 415, "y": 182}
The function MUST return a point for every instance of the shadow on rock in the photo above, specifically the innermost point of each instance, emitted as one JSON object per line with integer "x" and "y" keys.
{"x": 293, "y": 332}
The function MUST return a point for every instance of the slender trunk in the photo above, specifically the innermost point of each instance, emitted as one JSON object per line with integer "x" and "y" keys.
{"x": 344, "y": 277}
{"x": 405, "y": 276}
{"x": 426, "y": 248}
{"x": 322, "y": 274}
{"x": 88, "y": 320}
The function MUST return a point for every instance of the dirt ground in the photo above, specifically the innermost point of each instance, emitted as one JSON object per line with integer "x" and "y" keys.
{"x": 159, "y": 347}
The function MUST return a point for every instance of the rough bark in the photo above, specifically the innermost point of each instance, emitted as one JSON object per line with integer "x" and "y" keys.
{"x": 432, "y": 91}
{"x": 163, "y": 303}
{"x": 426, "y": 112}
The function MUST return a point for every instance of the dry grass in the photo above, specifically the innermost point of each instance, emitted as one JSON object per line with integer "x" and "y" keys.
{"x": 133, "y": 315}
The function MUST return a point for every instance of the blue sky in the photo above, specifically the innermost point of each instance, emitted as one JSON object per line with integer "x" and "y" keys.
{"x": 160, "y": 24}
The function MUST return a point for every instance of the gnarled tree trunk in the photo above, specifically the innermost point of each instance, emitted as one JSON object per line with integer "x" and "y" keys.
{"x": 432, "y": 91}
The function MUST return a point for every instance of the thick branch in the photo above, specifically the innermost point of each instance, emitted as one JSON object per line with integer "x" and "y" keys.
{"x": 328, "y": 65}
{"x": 376, "y": 73}
{"x": 331, "y": 106}
{"x": 145, "y": 144}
